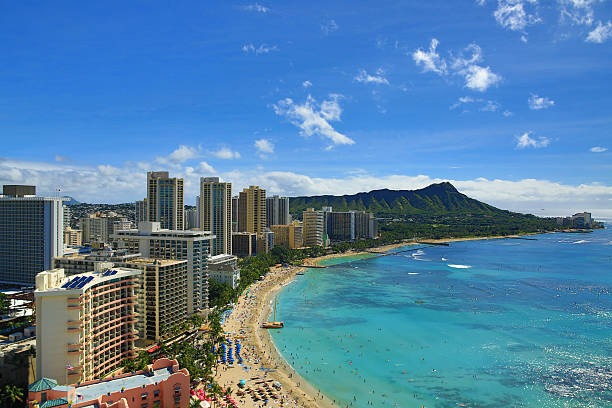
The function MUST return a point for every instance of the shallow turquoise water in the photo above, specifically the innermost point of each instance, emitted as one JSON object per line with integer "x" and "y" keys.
{"x": 512, "y": 323}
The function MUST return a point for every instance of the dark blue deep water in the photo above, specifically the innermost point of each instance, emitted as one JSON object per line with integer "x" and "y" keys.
{"x": 491, "y": 323}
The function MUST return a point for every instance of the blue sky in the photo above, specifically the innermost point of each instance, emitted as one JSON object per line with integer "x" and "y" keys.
{"x": 509, "y": 99}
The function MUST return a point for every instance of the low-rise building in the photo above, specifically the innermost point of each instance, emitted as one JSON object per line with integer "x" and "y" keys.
{"x": 85, "y": 323}
{"x": 163, "y": 384}
{"x": 223, "y": 268}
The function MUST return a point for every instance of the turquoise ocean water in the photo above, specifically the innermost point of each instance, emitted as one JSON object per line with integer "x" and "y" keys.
{"x": 512, "y": 323}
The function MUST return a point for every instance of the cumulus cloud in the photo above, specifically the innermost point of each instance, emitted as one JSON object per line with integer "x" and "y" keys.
{"x": 525, "y": 140}
{"x": 511, "y": 14}
{"x": 430, "y": 59}
{"x": 262, "y": 49}
{"x": 539, "y": 102}
{"x": 306, "y": 84}
{"x": 377, "y": 78}
{"x": 204, "y": 167}
{"x": 476, "y": 77}
{"x": 314, "y": 119}
{"x": 490, "y": 106}
{"x": 112, "y": 184}
{"x": 329, "y": 27}
{"x": 226, "y": 154}
{"x": 601, "y": 33}
{"x": 255, "y": 7}
{"x": 263, "y": 147}
{"x": 598, "y": 149}
{"x": 180, "y": 155}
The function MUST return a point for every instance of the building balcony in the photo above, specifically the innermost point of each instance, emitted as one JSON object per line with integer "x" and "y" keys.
{"x": 72, "y": 306}
{"x": 73, "y": 329}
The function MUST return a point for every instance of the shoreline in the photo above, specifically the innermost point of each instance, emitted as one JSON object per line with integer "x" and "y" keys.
{"x": 295, "y": 389}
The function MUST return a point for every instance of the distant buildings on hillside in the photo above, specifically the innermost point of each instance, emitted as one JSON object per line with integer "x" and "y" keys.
{"x": 580, "y": 220}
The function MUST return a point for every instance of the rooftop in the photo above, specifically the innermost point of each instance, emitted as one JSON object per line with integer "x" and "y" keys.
{"x": 93, "y": 391}
{"x": 47, "y": 283}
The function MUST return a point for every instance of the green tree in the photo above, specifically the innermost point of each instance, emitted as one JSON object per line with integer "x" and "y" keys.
{"x": 4, "y": 303}
{"x": 11, "y": 396}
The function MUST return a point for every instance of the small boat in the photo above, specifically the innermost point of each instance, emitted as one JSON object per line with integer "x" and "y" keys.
{"x": 299, "y": 273}
{"x": 419, "y": 301}
{"x": 273, "y": 324}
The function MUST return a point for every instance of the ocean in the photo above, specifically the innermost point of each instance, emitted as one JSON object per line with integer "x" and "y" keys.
{"x": 487, "y": 323}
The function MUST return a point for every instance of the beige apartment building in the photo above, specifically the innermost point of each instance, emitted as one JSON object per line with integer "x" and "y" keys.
{"x": 73, "y": 237}
{"x": 288, "y": 236}
{"x": 161, "y": 291}
{"x": 85, "y": 323}
{"x": 252, "y": 210}
{"x": 216, "y": 213}
{"x": 314, "y": 228}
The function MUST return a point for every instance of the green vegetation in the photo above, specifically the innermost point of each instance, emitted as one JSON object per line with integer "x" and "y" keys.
{"x": 4, "y": 303}
{"x": 195, "y": 354}
{"x": 440, "y": 198}
{"x": 12, "y": 396}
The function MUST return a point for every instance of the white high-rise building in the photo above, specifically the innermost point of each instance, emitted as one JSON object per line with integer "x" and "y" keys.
{"x": 31, "y": 233}
{"x": 152, "y": 241}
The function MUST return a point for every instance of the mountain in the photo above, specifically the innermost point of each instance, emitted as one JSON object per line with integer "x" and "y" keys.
{"x": 71, "y": 201}
{"x": 436, "y": 199}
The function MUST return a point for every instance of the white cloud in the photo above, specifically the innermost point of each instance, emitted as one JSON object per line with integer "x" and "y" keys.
{"x": 226, "y": 154}
{"x": 601, "y": 33}
{"x": 329, "y": 27}
{"x": 477, "y": 77}
{"x": 480, "y": 78}
{"x": 430, "y": 59}
{"x": 490, "y": 106}
{"x": 313, "y": 119}
{"x": 264, "y": 146}
{"x": 59, "y": 158}
{"x": 204, "y": 167}
{"x": 507, "y": 113}
{"x": 180, "y": 155}
{"x": 255, "y": 7}
{"x": 377, "y": 78}
{"x": 485, "y": 105}
{"x": 262, "y": 49}
{"x": 598, "y": 149}
{"x": 306, "y": 84}
{"x": 577, "y": 11}
{"x": 111, "y": 184}
{"x": 536, "y": 102}
{"x": 525, "y": 140}
{"x": 511, "y": 14}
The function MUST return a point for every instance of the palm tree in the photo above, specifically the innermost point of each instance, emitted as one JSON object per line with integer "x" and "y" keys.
{"x": 11, "y": 396}
{"x": 195, "y": 403}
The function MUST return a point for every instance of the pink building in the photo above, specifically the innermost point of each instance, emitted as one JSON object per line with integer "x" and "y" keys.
{"x": 161, "y": 385}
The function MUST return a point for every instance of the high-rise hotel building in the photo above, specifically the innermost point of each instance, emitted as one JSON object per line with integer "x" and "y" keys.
{"x": 216, "y": 213}
{"x": 31, "y": 233}
{"x": 277, "y": 211}
{"x": 165, "y": 201}
{"x": 141, "y": 211}
{"x": 85, "y": 323}
{"x": 252, "y": 210}
{"x": 194, "y": 246}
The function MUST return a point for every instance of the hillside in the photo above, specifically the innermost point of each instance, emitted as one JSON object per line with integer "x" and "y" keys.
{"x": 436, "y": 211}
{"x": 436, "y": 199}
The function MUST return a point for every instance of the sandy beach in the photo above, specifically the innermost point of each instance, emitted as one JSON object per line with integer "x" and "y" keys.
{"x": 263, "y": 366}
